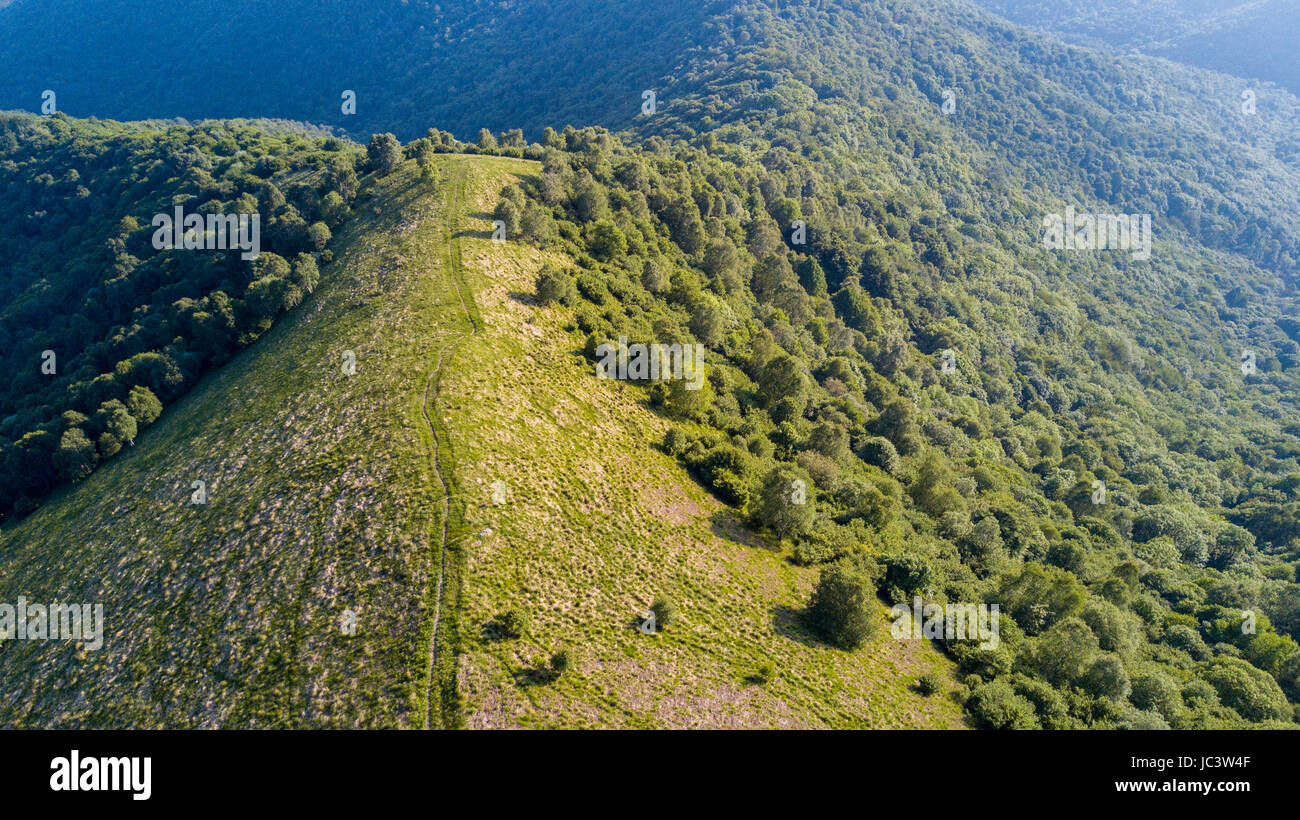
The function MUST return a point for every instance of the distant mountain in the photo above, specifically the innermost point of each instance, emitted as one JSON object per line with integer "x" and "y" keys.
{"x": 1067, "y": 119}
{"x": 461, "y": 65}
{"x": 1252, "y": 40}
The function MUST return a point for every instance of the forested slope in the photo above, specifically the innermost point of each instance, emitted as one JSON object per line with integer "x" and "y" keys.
{"x": 100, "y": 326}
{"x": 844, "y": 204}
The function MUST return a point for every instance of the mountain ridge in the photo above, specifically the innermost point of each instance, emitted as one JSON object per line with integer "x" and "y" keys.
{"x": 907, "y": 391}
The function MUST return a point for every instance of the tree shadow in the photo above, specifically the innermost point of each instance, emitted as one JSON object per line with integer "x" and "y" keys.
{"x": 759, "y": 678}
{"x": 537, "y": 675}
{"x": 788, "y": 622}
{"x": 496, "y": 631}
{"x": 639, "y": 621}
{"x": 726, "y": 525}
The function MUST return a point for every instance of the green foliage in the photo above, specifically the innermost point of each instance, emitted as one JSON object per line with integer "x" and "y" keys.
{"x": 1249, "y": 691}
{"x": 1157, "y": 692}
{"x": 929, "y": 683}
{"x": 383, "y": 154}
{"x": 843, "y": 606}
{"x": 607, "y": 242}
{"x": 1067, "y": 373}
{"x": 785, "y": 504}
{"x": 995, "y": 705}
{"x": 149, "y": 322}
{"x": 906, "y": 575}
{"x": 513, "y": 623}
{"x": 1106, "y": 678}
{"x": 555, "y": 285}
{"x": 76, "y": 457}
{"x": 1065, "y": 652}
{"x": 665, "y": 611}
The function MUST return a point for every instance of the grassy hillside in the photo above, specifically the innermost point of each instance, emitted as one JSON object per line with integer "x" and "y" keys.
{"x": 596, "y": 524}
{"x": 325, "y": 493}
{"x": 322, "y": 496}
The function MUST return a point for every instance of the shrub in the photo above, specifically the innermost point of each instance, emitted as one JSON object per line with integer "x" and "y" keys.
{"x": 785, "y": 503}
{"x": 383, "y": 154}
{"x": 513, "y": 623}
{"x": 674, "y": 441}
{"x": 1157, "y": 692}
{"x": 1116, "y": 630}
{"x": 665, "y": 612}
{"x": 929, "y": 683}
{"x": 507, "y": 213}
{"x": 843, "y": 606}
{"x": 1065, "y": 652}
{"x": 881, "y": 452}
{"x": 1140, "y": 720}
{"x": 555, "y": 285}
{"x": 906, "y": 575}
{"x": 1250, "y": 691}
{"x": 995, "y": 705}
{"x": 1106, "y": 678}
{"x": 607, "y": 242}
{"x": 730, "y": 487}
{"x": 76, "y": 456}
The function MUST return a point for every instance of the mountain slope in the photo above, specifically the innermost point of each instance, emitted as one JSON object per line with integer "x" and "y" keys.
{"x": 462, "y": 64}
{"x": 597, "y": 523}
{"x": 1032, "y": 112}
{"x": 321, "y": 496}
{"x": 843, "y": 204}
{"x": 324, "y": 495}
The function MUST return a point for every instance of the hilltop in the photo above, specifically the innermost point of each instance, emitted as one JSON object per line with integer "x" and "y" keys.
{"x": 324, "y": 495}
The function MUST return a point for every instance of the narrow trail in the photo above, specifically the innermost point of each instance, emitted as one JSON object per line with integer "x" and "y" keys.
{"x": 432, "y": 390}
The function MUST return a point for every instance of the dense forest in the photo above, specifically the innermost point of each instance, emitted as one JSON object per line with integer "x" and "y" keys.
{"x": 99, "y": 329}
{"x": 978, "y": 484}
{"x": 462, "y": 65}
{"x": 1106, "y": 447}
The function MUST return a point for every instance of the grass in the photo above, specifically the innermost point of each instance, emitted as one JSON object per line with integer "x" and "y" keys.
{"x": 598, "y": 523}
{"x": 328, "y": 492}
{"x": 322, "y": 498}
